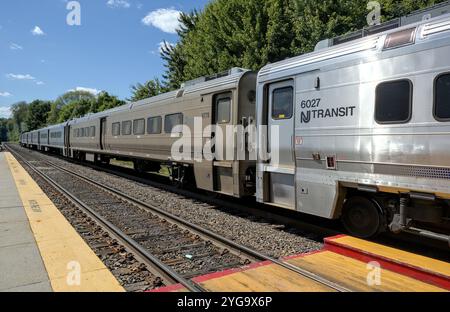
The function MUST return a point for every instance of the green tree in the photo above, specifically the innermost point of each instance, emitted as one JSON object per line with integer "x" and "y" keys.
{"x": 252, "y": 33}
{"x": 150, "y": 88}
{"x": 3, "y": 130}
{"x": 37, "y": 114}
{"x": 75, "y": 109}
{"x": 104, "y": 102}
{"x": 19, "y": 113}
{"x": 54, "y": 115}
{"x": 174, "y": 55}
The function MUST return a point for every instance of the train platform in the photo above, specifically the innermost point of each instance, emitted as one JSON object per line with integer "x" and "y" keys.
{"x": 39, "y": 249}
{"x": 355, "y": 264}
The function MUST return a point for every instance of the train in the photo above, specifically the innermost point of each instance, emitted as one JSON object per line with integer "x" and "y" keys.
{"x": 357, "y": 130}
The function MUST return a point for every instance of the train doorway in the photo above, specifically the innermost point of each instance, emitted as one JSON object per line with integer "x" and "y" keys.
{"x": 102, "y": 133}
{"x": 281, "y": 167}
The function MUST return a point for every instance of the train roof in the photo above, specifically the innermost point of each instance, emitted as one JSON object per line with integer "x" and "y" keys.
{"x": 202, "y": 84}
{"x": 420, "y": 32}
{"x": 52, "y": 127}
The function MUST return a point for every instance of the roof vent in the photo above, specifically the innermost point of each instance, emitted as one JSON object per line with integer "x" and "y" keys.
{"x": 400, "y": 38}
{"x": 180, "y": 93}
{"x": 232, "y": 71}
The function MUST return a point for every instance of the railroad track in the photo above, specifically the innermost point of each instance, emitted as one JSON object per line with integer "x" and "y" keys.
{"x": 321, "y": 227}
{"x": 45, "y": 169}
{"x": 167, "y": 274}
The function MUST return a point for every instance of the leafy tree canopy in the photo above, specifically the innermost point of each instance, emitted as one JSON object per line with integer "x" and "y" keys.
{"x": 149, "y": 89}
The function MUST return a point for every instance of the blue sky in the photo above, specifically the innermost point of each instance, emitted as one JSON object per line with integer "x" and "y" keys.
{"x": 116, "y": 45}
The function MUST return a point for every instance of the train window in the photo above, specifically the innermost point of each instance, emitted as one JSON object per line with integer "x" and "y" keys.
{"x": 92, "y": 131}
{"x": 83, "y": 131}
{"x": 116, "y": 129}
{"x": 126, "y": 127}
{"x": 283, "y": 103}
{"x": 171, "y": 121}
{"x": 223, "y": 110}
{"x": 154, "y": 125}
{"x": 393, "y": 102}
{"x": 87, "y": 132}
{"x": 442, "y": 98}
{"x": 139, "y": 126}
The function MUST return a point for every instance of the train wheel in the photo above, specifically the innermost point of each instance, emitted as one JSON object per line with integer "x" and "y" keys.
{"x": 362, "y": 217}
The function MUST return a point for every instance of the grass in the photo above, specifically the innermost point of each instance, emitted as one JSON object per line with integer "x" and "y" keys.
{"x": 130, "y": 165}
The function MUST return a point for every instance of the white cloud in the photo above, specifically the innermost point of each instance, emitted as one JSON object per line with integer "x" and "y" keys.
{"x": 90, "y": 90}
{"x": 5, "y": 112}
{"x": 37, "y": 31}
{"x": 163, "y": 19}
{"x": 118, "y": 4}
{"x": 5, "y": 94}
{"x": 20, "y": 77}
{"x": 15, "y": 46}
{"x": 24, "y": 77}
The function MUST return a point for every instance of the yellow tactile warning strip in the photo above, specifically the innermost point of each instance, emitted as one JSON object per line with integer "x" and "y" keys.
{"x": 71, "y": 265}
{"x": 400, "y": 256}
{"x": 358, "y": 275}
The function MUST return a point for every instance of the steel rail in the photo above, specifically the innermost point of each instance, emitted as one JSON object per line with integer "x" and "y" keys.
{"x": 209, "y": 234}
{"x": 166, "y": 272}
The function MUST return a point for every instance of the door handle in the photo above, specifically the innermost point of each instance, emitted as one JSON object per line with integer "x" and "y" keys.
{"x": 293, "y": 147}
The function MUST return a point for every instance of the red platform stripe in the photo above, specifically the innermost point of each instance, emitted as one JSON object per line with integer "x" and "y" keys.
{"x": 207, "y": 277}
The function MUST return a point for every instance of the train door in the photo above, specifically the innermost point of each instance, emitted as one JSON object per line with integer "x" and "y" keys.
{"x": 281, "y": 167}
{"x": 66, "y": 147}
{"x": 223, "y": 166}
{"x": 102, "y": 133}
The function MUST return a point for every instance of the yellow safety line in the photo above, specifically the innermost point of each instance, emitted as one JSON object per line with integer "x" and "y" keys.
{"x": 71, "y": 265}
{"x": 429, "y": 264}
{"x": 360, "y": 276}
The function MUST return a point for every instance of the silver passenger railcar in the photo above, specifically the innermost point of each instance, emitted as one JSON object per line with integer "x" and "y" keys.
{"x": 364, "y": 131}
{"x": 142, "y": 132}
